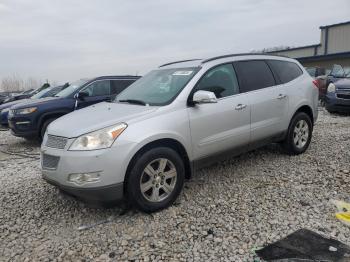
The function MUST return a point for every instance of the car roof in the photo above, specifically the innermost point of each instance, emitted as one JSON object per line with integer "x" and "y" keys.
{"x": 223, "y": 58}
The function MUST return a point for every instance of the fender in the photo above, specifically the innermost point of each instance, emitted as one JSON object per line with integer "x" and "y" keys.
{"x": 51, "y": 113}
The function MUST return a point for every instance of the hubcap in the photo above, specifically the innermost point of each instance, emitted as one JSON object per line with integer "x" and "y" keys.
{"x": 158, "y": 180}
{"x": 301, "y": 134}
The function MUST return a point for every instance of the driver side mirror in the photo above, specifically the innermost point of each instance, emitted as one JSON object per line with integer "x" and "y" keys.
{"x": 81, "y": 95}
{"x": 204, "y": 97}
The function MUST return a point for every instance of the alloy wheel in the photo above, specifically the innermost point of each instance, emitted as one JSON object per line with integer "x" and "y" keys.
{"x": 158, "y": 180}
{"x": 301, "y": 134}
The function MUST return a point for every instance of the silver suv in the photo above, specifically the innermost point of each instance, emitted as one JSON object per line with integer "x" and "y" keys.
{"x": 164, "y": 126}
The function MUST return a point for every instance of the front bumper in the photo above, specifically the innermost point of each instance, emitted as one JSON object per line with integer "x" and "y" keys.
{"x": 4, "y": 118}
{"x": 58, "y": 164}
{"x": 111, "y": 193}
{"x": 334, "y": 103}
{"x": 22, "y": 126}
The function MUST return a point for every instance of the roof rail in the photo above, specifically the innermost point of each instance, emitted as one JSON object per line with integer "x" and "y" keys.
{"x": 233, "y": 55}
{"x": 181, "y": 61}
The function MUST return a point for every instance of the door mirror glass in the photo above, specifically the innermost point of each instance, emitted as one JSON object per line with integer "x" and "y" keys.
{"x": 204, "y": 97}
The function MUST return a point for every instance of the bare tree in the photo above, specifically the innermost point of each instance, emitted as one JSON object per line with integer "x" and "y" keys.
{"x": 272, "y": 49}
{"x": 16, "y": 83}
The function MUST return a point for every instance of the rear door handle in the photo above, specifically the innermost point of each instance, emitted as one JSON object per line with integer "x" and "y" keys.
{"x": 281, "y": 96}
{"x": 240, "y": 107}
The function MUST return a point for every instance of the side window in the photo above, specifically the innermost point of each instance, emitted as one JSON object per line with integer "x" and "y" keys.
{"x": 119, "y": 85}
{"x": 286, "y": 71}
{"x": 254, "y": 75}
{"x": 99, "y": 88}
{"x": 221, "y": 80}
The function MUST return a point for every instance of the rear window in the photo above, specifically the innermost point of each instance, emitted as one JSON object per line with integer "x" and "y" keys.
{"x": 254, "y": 75}
{"x": 285, "y": 71}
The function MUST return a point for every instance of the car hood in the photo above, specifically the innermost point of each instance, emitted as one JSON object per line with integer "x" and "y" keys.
{"x": 342, "y": 83}
{"x": 33, "y": 102}
{"x": 96, "y": 117}
{"x": 9, "y": 104}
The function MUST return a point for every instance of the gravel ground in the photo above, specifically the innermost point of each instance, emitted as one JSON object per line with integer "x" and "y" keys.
{"x": 225, "y": 211}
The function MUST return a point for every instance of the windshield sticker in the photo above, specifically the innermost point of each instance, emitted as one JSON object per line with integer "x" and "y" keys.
{"x": 182, "y": 73}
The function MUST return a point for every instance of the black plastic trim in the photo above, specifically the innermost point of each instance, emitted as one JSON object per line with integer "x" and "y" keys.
{"x": 110, "y": 193}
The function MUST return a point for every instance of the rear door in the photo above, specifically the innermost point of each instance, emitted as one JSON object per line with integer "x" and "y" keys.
{"x": 269, "y": 101}
{"x": 224, "y": 125}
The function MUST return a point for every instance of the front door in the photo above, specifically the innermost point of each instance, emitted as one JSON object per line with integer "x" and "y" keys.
{"x": 224, "y": 125}
{"x": 97, "y": 91}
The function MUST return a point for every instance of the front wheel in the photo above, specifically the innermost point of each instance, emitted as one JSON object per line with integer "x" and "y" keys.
{"x": 299, "y": 134}
{"x": 44, "y": 127}
{"x": 156, "y": 179}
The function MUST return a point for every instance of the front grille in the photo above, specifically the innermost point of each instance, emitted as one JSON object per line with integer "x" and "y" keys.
{"x": 343, "y": 96}
{"x": 49, "y": 162}
{"x": 56, "y": 142}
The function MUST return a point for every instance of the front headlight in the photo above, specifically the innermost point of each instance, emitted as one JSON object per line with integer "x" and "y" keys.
{"x": 25, "y": 111}
{"x": 331, "y": 88}
{"x": 99, "y": 139}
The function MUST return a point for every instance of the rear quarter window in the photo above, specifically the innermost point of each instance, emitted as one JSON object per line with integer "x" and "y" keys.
{"x": 285, "y": 71}
{"x": 254, "y": 75}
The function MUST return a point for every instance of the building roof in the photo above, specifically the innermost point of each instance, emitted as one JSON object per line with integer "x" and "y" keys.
{"x": 293, "y": 48}
{"x": 332, "y": 25}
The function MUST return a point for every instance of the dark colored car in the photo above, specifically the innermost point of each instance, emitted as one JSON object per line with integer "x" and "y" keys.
{"x": 48, "y": 92}
{"x": 26, "y": 94}
{"x": 30, "y": 119}
{"x": 2, "y": 98}
{"x": 337, "y": 97}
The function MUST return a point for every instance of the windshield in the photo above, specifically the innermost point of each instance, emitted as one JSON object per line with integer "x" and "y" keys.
{"x": 41, "y": 93}
{"x": 158, "y": 87}
{"x": 347, "y": 72}
{"x": 71, "y": 88}
{"x": 338, "y": 71}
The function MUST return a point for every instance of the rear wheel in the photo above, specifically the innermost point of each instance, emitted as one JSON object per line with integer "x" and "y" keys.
{"x": 155, "y": 179}
{"x": 299, "y": 134}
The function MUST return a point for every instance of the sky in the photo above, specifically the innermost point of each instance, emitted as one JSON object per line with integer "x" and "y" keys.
{"x": 67, "y": 40}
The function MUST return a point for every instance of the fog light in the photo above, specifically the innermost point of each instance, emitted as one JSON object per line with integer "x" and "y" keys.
{"x": 83, "y": 178}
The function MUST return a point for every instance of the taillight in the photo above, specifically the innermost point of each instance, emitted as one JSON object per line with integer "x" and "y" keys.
{"x": 316, "y": 84}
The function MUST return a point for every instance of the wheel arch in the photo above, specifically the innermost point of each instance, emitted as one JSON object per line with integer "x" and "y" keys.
{"x": 162, "y": 142}
{"x": 307, "y": 110}
{"x": 49, "y": 115}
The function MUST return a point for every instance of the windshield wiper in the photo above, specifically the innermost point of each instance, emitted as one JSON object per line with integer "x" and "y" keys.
{"x": 133, "y": 101}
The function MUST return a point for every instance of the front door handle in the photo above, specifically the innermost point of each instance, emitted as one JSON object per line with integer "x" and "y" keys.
{"x": 281, "y": 96}
{"x": 240, "y": 107}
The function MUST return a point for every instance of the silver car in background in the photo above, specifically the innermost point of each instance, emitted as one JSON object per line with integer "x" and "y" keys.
{"x": 158, "y": 131}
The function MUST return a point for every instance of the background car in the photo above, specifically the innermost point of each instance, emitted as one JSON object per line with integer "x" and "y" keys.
{"x": 48, "y": 92}
{"x": 30, "y": 119}
{"x": 337, "y": 98}
{"x": 26, "y": 94}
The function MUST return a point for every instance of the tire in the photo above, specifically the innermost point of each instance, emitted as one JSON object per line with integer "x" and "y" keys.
{"x": 299, "y": 134}
{"x": 147, "y": 186}
{"x": 44, "y": 127}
